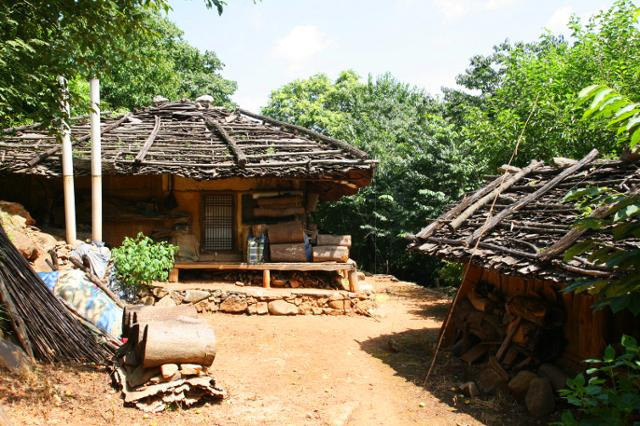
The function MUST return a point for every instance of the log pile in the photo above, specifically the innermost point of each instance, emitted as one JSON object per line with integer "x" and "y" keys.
{"x": 167, "y": 358}
{"x": 512, "y": 337}
{"x": 332, "y": 248}
{"x": 287, "y": 242}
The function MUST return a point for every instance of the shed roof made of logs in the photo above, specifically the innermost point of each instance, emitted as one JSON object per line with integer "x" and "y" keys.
{"x": 192, "y": 140}
{"x": 519, "y": 223}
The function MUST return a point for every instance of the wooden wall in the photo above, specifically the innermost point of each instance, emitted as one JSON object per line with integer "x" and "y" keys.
{"x": 587, "y": 331}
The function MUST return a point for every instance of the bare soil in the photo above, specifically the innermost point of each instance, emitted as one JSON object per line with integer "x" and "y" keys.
{"x": 302, "y": 370}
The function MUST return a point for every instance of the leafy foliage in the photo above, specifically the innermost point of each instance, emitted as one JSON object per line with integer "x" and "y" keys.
{"x": 140, "y": 260}
{"x": 609, "y": 393}
{"x": 537, "y": 83}
{"x": 422, "y": 168}
{"x": 78, "y": 39}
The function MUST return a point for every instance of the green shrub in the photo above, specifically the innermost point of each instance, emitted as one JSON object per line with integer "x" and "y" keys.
{"x": 609, "y": 393}
{"x": 140, "y": 260}
{"x": 450, "y": 274}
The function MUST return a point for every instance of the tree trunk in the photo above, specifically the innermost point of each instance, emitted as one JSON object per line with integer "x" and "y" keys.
{"x": 286, "y": 232}
{"x": 185, "y": 340}
{"x": 288, "y": 252}
{"x": 330, "y": 253}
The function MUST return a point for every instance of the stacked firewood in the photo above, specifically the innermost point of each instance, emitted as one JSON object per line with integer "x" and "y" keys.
{"x": 167, "y": 358}
{"x": 332, "y": 248}
{"x": 515, "y": 333}
{"x": 287, "y": 242}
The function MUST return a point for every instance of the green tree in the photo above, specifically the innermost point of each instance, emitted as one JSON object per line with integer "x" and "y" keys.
{"x": 41, "y": 40}
{"x": 536, "y": 83}
{"x": 421, "y": 166}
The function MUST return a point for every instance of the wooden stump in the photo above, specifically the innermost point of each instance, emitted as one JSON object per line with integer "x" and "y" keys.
{"x": 185, "y": 340}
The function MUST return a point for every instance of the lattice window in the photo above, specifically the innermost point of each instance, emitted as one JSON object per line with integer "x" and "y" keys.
{"x": 218, "y": 222}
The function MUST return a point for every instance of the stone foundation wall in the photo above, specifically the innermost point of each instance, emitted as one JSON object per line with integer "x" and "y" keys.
{"x": 265, "y": 302}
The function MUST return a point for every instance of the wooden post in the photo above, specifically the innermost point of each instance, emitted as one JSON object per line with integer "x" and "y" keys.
{"x": 96, "y": 163}
{"x": 174, "y": 275}
{"x": 67, "y": 166}
{"x": 354, "y": 286}
{"x": 266, "y": 278}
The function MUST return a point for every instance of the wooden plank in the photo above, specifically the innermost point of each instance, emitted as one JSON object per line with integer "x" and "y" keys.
{"x": 506, "y": 183}
{"x": 147, "y": 144}
{"x": 493, "y": 221}
{"x": 241, "y": 157}
{"x": 340, "y": 144}
{"x": 285, "y": 266}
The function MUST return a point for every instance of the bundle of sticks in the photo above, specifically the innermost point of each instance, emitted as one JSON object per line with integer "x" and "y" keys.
{"x": 167, "y": 358}
{"x": 47, "y": 329}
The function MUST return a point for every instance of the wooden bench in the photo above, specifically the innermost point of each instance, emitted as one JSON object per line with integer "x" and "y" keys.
{"x": 347, "y": 269}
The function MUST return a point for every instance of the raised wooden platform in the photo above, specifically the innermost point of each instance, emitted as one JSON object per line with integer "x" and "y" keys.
{"x": 347, "y": 269}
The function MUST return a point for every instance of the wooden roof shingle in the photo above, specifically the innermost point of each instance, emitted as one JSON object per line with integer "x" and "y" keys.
{"x": 519, "y": 223}
{"x": 192, "y": 140}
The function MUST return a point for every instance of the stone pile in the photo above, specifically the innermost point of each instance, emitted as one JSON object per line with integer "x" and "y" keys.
{"x": 256, "y": 301}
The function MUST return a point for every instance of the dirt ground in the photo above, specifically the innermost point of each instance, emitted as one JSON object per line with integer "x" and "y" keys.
{"x": 302, "y": 370}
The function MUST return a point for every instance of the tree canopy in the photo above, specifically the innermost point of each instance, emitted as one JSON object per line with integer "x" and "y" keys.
{"x": 80, "y": 39}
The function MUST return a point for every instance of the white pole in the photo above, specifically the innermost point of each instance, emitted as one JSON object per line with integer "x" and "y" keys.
{"x": 67, "y": 166}
{"x": 96, "y": 164}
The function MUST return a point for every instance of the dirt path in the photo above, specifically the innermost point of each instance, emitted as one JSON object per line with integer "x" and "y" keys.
{"x": 303, "y": 370}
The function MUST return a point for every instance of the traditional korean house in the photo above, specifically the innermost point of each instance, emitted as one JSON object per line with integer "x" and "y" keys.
{"x": 211, "y": 175}
{"x": 511, "y": 235}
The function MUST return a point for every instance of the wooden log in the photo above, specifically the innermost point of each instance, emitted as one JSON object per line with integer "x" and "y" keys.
{"x": 147, "y": 144}
{"x": 507, "y": 182}
{"x": 271, "y": 212}
{"x": 330, "y": 253}
{"x": 292, "y": 252}
{"x": 280, "y": 202}
{"x": 354, "y": 281}
{"x": 493, "y": 221}
{"x": 148, "y": 314}
{"x": 334, "y": 240}
{"x": 241, "y": 157}
{"x": 186, "y": 340}
{"x": 560, "y": 246}
{"x": 286, "y": 232}
{"x": 266, "y": 278}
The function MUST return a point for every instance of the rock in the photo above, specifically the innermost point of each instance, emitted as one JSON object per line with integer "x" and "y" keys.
{"x": 169, "y": 371}
{"x": 556, "y": 376}
{"x": 17, "y": 209}
{"x": 191, "y": 369}
{"x": 147, "y": 300}
{"x": 262, "y": 308}
{"x": 194, "y": 296}
{"x": 316, "y": 310}
{"x": 213, "y": 306}
{"x": 337, "y": 304}
{"x": 470, "y": 389}
{"x": 159, "y": 292}
{"x": 519, "y": 384}
{"x": 234, "y": 305}
{"x": 305, "y": 308}
{"x": 25, "y": 245}
{"x": 336, "y": 296}
{"x": 239, "y": 283}
{"x": 166, "y": 301}
{"x": 540, "y": 399}
{"x": 280, "y": 307}
{"x": 12, "y": 357}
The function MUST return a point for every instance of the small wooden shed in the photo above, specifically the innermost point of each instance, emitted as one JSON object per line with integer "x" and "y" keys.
{"x": 512, "y": 233}
{"x": 214, "y": 173}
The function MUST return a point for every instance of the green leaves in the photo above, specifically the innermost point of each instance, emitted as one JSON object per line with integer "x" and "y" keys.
{"x": 140, "y": 261}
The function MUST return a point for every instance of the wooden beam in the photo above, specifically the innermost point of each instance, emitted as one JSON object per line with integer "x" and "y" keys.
{"x": 507, "y": 182}
{"x": 147, "y": 144}
{"x": 560, "y": 246}
{"x": 493, "y": 221}
{"x": 44, "y": 155}
{"x": 294, "y": 266}
{"x": 335, "y": 142}
{"x": 241, "y": 157}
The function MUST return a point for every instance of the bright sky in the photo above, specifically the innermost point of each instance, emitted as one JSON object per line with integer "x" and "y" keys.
{"x": 424, "y": 42}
